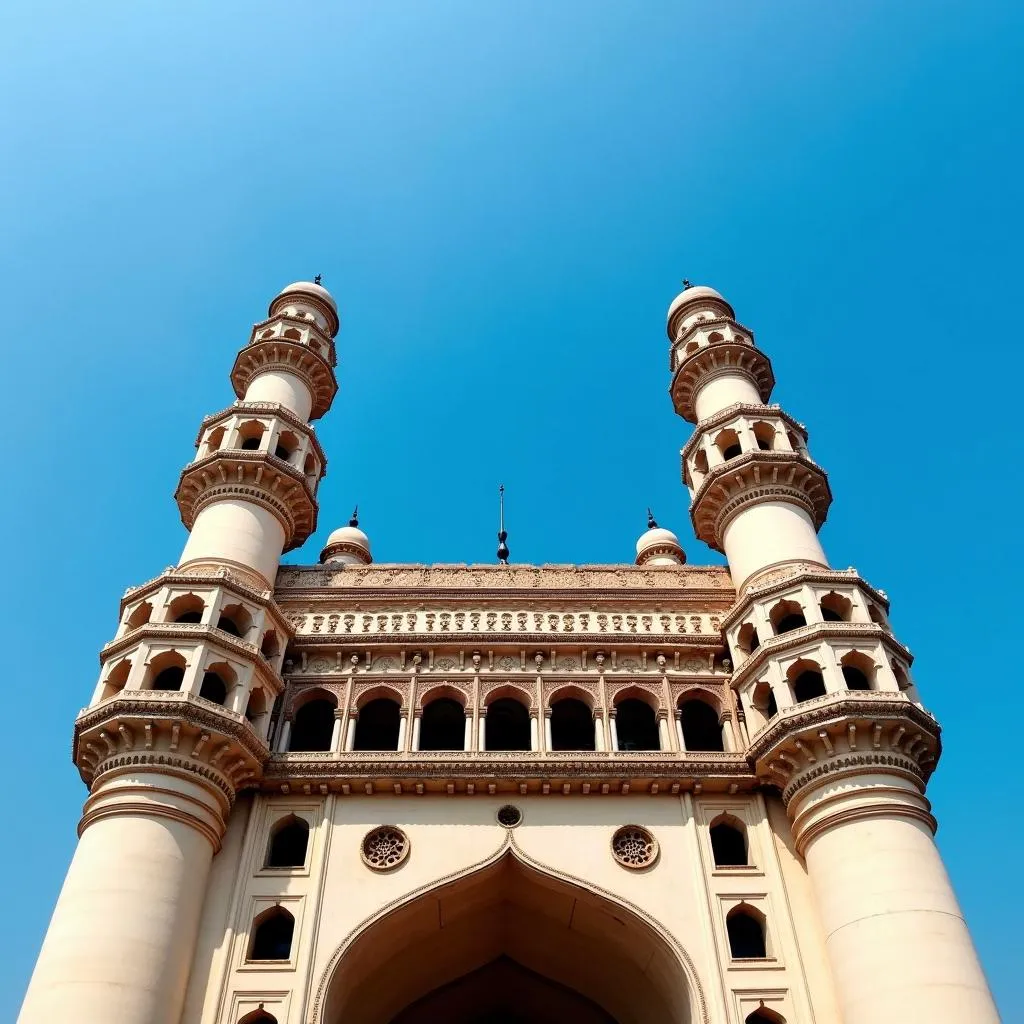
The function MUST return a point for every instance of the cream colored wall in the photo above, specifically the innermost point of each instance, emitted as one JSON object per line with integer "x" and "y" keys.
{"x": 570, "y": 836}
{"x": 721, "y": 392}
{"x": 291, "y": 391}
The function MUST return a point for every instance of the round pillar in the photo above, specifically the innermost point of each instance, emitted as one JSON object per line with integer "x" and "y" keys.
{"x": 895, "y": 936}
{"x": 121, "y": 939}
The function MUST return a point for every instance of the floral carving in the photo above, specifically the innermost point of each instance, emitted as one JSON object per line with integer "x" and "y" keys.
{"x": 384, "y": 848}
{"x": 634, "y": 847}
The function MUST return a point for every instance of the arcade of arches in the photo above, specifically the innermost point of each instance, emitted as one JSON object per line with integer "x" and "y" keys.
{"x": 509, "y": 945}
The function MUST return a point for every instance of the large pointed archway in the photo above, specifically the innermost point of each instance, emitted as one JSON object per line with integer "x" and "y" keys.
{"x": 504, "y": 944}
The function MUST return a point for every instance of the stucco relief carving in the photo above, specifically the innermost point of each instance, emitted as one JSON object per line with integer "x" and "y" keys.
{"x": 384, "y": 848}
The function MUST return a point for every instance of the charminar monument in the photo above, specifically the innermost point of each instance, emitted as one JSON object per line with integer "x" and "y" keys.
{"x": 361, "y": 792}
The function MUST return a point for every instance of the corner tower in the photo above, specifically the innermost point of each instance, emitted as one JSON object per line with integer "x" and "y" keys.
{"x": 179, "y": 720}
{"x": 833, "y": 719}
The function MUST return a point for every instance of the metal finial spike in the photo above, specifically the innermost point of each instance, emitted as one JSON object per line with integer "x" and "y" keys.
{"x": 317, "y": 279}
{"x": 502, "y": 535}
{"x": 651, "y": 524}
{"x": 354, "y": 521}
{"x": 686, "y": 283}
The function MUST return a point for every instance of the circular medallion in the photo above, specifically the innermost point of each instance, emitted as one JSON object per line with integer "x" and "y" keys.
{"x": 634, "y": 847}
{"x": 384, "y": 848}
{"x": 509, "y": 816}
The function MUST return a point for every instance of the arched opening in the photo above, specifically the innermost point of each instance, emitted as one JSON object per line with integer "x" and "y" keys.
{"x": 509, "y": 943}
{"x": 745, "y": 927}
{"x": 572, "y": 725}
{"x": 807, "y": 681}
{"x": 287, "y": 445}
{"x": 715, "y": 336}
{"x": 234, "y": 619}
{"x": 764, "y": 435}
{"x": 139, "y": 616}
{"x": 747, "y": 640}
{"x": 272, "y": 935}
{"x": 443, "y": 725}
{"x": 700, "y": 462}
{"x": 764, "y": 700}
{"x": 636, "y": 725}
{"x": 507, "y": 725}
{"x": 288, "y": 843}
{"x": 250, "y": 435}
{"x": 764, "y": 1016}
{"x": 271, "y": 646}
{"x": 292, "y": 334}
{"x": 795, "y": 441}
{"x": 117, "y": 677}
{"x": 214, "y": 440}
{"x": 701, "y": 728}
{"x": 787, "y": 616}
{"x": 313, "y": 726}
{"x": 728, "y": 842}
{"x": 728, "y": 443}
{"x": 214, "y": 686}
{"x": 186, "y": 608}
{"x": 836, "y": 608}
{"x": 258, "y": 1017}
{"x": 256, "y": 706}
{"x": 876, "y": 615}
{"x": 378, "y": 724}
{"x": 902, "y": 678}
{"x": 166, "y": 671}
{"x": 858, "y": 671}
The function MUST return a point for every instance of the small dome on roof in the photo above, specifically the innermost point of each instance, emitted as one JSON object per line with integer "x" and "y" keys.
{"x": 695, "y": 293}
{"x": 348, "y": 545}
{"x": 658, "y": 546}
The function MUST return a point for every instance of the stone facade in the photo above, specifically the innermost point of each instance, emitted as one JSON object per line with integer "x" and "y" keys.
{"x": 377, "y": 793}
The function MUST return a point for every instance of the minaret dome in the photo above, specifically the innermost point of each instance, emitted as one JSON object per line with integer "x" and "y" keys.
{"x": 695, "y": 302}
{"x": 308, "y": 297}
{"x": 658, "y": 546}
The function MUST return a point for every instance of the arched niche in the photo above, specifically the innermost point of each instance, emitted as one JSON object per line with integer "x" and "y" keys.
{"x": 595, "y": 959}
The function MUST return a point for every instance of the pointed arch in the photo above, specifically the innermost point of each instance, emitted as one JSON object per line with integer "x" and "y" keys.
{"x": 676, "y": 968}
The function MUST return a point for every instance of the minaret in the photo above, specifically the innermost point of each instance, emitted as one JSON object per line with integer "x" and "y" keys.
{"x": 179, "y": 720}
{"x": 834, "y": 720}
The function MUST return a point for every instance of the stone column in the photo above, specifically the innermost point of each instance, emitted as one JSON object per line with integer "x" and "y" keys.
{"x": 467, "y": 742}
{"x": 534, "y": 734}
{"x": 336, "y": 732}
{"x": 598, "y": 731}
{"x": 895, "y": 936}
{"x": 350, "y": 732}
{"x": 417, "y": 719}
{"x": 613, "y": 729}
{"x": 121, "y": 939}
{"x": 663, "y": 736}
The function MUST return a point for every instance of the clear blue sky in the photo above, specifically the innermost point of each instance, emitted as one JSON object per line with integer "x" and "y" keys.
{"x": 504, "y": 198}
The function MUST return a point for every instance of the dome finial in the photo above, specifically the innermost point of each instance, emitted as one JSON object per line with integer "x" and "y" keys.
{"x": 318, "y": 279}
{"x": 354, "y": 521}
{"x": 651, "y": 523}
{"x": 502, "y": 534}
{"x": 686, "y": 283}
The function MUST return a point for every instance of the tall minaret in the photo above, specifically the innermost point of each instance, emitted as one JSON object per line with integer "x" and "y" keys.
{"x": 179, "y": 720}
{"x": 834, "y": 720}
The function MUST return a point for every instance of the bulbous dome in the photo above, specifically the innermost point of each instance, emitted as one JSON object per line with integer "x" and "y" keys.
{"x": 310, "y": 290}
{"x": 659, "y": 546}
{"x": 694, "y": 294}
{"x": 347, "y": 544}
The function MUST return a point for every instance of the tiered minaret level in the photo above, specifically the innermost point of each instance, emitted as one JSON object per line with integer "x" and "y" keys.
{"x": 833, "y": 718}
{"x": 179, "y": 721}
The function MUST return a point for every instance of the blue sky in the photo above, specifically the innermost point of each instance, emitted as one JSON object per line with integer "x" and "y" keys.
{"x": 504, "y": 199}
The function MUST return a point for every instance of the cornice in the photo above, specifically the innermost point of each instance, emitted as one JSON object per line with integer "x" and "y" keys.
{"x": 751, "y": 478}
{"x": 714, "y": 360}
{"x": 288, "y": 356}
{"x": 274, "y": 409}
{"x": 258, "y": 477}
{"x": 771, "y": 583}
{"x": 298, "y": 321}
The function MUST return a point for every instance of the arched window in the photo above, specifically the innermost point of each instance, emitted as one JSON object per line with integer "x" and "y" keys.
{"x": 377, "y": 725}
{"x": 808, "y": 684}
{"x": 747, "y": 640}
{"x": 764, "y": 1016}
{"x": 258, "y": 1017}
{"x": 313, "y": 726}
{"x": 764, "y": 435}
{"x": 787, "y": 616}
{"x": 213, "y": 688}
{"x": 167, "y": 671}
{"x": 272, "y": 935}
{"x": 635, "y": 725}
{"x": 288, "y": 843}
{"x": 140, "y": 615}
{"x": 186, "y": 608}
{"x": 728, "y": 843}
{"x": 271, "y": 646}
{"x": 836, "y": 608}
{"x": 256, "y": 706}
{"x": 250, "y": 436}
{"x": 443, "y": 726}
{"x": 287, "y": 444}
{"x": 858, "y": 671}
{"x": 728, "y": 443}
{"x": 701, "y": 729}
{"x": 117, "y": 677}
{"x": 700, "y": 461}
{"x": 572, "y": 725}
{"x": 292, "y": 334}
{"x": 746, "y": 934}
{"x": 507, "y": 726}
{"x": 764, "y": 700}
{"x": 234, "y": 619}
{"x": 214, "y": 439}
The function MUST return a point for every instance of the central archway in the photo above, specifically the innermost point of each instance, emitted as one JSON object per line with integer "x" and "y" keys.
{"x": 508, "y": 943}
